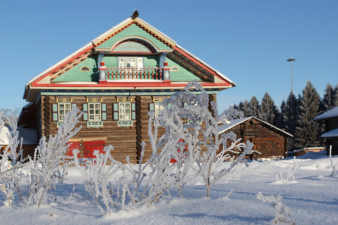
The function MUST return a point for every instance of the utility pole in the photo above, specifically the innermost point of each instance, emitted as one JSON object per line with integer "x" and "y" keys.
{"x": 291, "y": 59}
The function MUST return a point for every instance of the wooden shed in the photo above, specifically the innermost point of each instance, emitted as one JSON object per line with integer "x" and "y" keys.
{"x": 330, "y": 119}
{"x": 269, "y": 141}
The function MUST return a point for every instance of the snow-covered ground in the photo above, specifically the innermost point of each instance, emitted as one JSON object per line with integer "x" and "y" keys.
{"x": 312, "y": 198}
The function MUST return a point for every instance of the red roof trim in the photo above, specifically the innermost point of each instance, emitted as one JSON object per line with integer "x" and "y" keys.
{"x": 128, "y": 84}
{"x": 199, "y": 63}
{"x": 61, "y": 65}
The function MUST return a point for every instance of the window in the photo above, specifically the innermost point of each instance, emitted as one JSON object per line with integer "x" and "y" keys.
{"x": 130, "y": 63}
{"x": 94, "y": 111}
{"x": 63, "y": 109}
{"x": 59, "y": 110}
{"x": 124, "y": 111}
{"x": 85, "y": 69}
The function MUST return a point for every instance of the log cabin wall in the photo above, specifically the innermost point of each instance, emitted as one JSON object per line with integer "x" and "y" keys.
{"x": 125, "y": 140}
{"x": 270, "y": 143}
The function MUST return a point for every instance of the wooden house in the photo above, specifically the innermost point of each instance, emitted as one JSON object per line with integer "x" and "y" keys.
{"x": 268, "y": 140}
{"x": 115, "y": 80}
{"x": 330, "y": 119}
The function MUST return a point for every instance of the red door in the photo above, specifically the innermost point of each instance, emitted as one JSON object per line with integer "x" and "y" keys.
{"x": 90, "y": 146}
{"x": 73, "y": 146}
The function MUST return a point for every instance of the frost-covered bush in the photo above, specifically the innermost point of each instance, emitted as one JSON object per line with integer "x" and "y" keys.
{"x": 290, "y": 175}
{"x": 282, "y": 215}
{"x": 49, "y": 166}
{"x": 190, "y": 144}
{"x": 96, "y": 173}
{"x": 191, "y": 117}
{"x": 11, "y": 160}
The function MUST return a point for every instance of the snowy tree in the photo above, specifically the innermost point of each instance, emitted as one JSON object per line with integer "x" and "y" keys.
{"x": 329, "y": 97}
{"x": 49, "y": 166}
{"x": 246, "y": 109}
{"x": 11, "y": 159}
{"x": 308, "y": 130}
{"x": 268, "y": 110}
{"x": 336, "y": 95}
{"x": 190, "y": 119}
{"x": 253, "y": 107}
{"x": 290, "y": 114}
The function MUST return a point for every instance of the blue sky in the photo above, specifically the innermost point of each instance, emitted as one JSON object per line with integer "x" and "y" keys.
{"x": 248, "y": 41}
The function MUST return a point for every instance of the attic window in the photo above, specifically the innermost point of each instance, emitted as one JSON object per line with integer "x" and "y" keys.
{"x": 85, "y": 69}
{"x": 174, "y": 68}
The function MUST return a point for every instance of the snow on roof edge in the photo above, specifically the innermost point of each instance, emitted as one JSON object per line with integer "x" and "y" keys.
{"x": 328, "y": 114}
{"x": 331, "y": 133}
{"x": 225, "y": 128}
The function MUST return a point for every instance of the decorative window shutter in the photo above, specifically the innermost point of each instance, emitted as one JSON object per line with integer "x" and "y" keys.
{"x": 85, "y": 111}
{"x": 151, "y": 107}
{"x": 104, "y": 111}
{"x": 55, "y": 112}
{"x": 115, "y": 111}
{"x": 73, "y": 106}
{"x": 133, "y": 111}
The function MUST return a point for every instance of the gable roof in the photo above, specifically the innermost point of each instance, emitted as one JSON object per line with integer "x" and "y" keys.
{"x": 236, "y": 122}
{"x": 42, "y": 80}
{"x": 328, "y": 114}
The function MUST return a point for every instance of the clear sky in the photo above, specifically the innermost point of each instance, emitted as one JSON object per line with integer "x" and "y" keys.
{"x": 247, "y": 40}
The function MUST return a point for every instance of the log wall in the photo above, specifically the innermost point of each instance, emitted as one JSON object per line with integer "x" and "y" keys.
{"x": 125, "y": 140}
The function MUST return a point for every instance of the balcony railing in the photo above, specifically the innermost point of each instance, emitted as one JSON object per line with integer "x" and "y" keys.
{"x": 117, "y": 73}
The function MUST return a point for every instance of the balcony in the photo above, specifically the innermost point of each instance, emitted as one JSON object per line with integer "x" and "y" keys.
{"x": 120, "y": 74}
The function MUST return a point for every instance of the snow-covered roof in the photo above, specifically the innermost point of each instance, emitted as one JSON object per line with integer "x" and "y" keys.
{"x": 235, "y": 122}
{"x": 330, "y": 134}
{"x": 328, "y": 114}
{"x": 29, "y": 136}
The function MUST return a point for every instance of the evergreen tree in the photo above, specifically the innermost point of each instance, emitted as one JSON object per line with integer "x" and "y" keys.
{"x": 308, "y": 130}
{"x": 267, "y": 110}
{"x": 253, "y": 107}
{"x": 246, "y": 108}
{"x": 329, "y": 98}
{"x": 290, "y": 114}
{"x": 336, "y": 95}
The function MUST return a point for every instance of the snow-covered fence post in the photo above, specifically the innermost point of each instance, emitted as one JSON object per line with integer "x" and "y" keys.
{"x": 334, "y": 170}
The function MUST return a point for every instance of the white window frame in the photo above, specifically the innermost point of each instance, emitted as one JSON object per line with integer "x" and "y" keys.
{"x": 123, "y": 64}
{"x": 62, "y": 112}
{"x": 123, "y": 111}
{"x": 96, "y": 111}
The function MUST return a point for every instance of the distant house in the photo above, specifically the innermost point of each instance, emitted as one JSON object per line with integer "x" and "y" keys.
{"x": 115, "y": 79}
{"x": 28, "y": 136}
{"x": 269, "y": 140}
{"x": 330, "y": 119}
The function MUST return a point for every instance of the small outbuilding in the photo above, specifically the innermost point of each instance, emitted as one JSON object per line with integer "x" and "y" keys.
{"x": 330, "y": 119}
{"x": 28, "y": 137}
{"x": 270, "y": 141}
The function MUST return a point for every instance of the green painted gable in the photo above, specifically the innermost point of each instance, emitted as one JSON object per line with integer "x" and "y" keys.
{"x": 76, "y": 75}
{"x": 133, "y": 30}
{"x": 182, "y": 75}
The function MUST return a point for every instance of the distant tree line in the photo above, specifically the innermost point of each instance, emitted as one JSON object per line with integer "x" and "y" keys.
{"x": 296, "y": 114}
